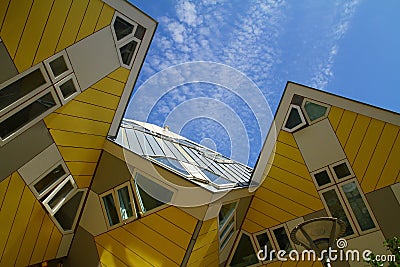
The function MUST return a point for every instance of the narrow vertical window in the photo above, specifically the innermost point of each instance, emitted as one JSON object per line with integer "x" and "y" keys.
{"x": 282, "y": 239}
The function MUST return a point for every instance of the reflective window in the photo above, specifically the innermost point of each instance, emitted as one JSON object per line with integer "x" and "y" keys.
{"x": 264, "y": 241}
{"x": 314, "y": 111}
{"x": 294, "y": 119}
{"x": 49, "y": 180}
{"x": 140, "y": 31}
{"x": 66, "y": 216}
{"x": 125, "y": 203}
{"x": 172, "y": 163}
{"x": 227, "y": 222}
{"x": 322, "y": 178}
{"x": 341, "y": 170}
{"x": 245, "y": 253}
{"x": 111, "y": 210}
{"x": 147, "y": 191}
{"x": 61, "y": 194}
{"x": 68, "y": 88}
{"x": 282, "y": 239}
{"x": 122, "y": 28}
{"x": 127, "y": 51}
{"x": 58, "y": 66}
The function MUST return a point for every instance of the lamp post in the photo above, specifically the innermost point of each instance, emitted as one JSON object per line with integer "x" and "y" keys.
{"x": 318, "y": 234}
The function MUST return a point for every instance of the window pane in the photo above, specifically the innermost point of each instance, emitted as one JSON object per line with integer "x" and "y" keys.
{"x": 127, "y": 52}
{"x": 216, "y": 178}
{"x": 67, "y": 213}
{"x": 341, "y": 170}
{"x": 244, "y": 254}
{"x": 322, "y": 178}
{"x": 225, "y": 212}
{"x": 229, "y": 224}
{"x": 140, "y": 31}
{"x": 336, "y": 209}
{"x": 314, "y": 111}
{"x": 174, "y": 164}
{"x": 111, "y": 210}
{"x": 148, "y": 202}
{"x": 263, "y": 241}
{"x": 61, "y": 194}
{"x": 58, "y": 66}
{"x": 228, "y": 236}
{"x": 122, "y": 28}
{"x": 68, "y": 88}
{"x": 294, "y": 119}
{"x": 49, "y": 179}
{"x": 26, "y": 115}
{"x": 125, "y": 203}
{"x": 20, "y": 88}
{"x": 358, "y": 206}
{"x": 282, "y": 239}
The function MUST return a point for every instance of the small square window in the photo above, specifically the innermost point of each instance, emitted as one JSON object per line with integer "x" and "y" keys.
{"x": 341, "y": 170}
{"x": 67, "y": 88}
{"x": 50, "y": 180}
{"x": 322, "y": 177}
{"x": 58, "y": 66}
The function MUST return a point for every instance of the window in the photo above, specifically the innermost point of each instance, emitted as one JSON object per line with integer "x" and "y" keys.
{"x": 294, "y": 119}
{"x": 66, "y": 217}
{"x": 314, "y": 110}
{"x": 27, "y": 114}
{"x": 58, "y": 196}
{"x": 118, "y": 204}
{"x": 218, "y": 181}
{"x": 227, "y": 223}
{"x": 341, "y": 170}
{"x": 281, "y": 236}
{"x": 58, "y": 66}
{"x": 67, "y": 88}
{"x": 322, "y": 178}
{"x": 150, "y": 195}
{"x": 127, "y": 35}
{"x": 173, "y": 164}
{"x": 264, "y": 243}
{"x": 245, "y": 253}
{"x": 48, "y": 181}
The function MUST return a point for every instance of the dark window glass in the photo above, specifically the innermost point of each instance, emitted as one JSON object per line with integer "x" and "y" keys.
{"x": 358, "y": 206}
{"x": 225, "y": 212}
{"x": 314, "y": 111}
{"x": 322, "y": 178}
{"x": 148, "y": 202}
{"x": 125, "y": 203}
{"x": 111, "y": 210}
{"x": 245, "y": 254}
{"x": 228, "y": 236}
{"x": 61, "y": 194}
{"x": 127, "y": 52}
{"x": 49, "y": 179}
{"x": 294, "y": 119}
{"x": 26, "y": 115}
{"x": 68, "y": 88}
{"x": 122, "y": 28}
{"x": 20, "y": 88}
{"x": 67, "y": 213}
{"x": 282, "y": 239}
{"x": 336, "y": 209}
{"x": 58, "y": 66}
{"x": 140, "y": 31}
{"x": 264, "y": 241}
{"x": 341, "y": 170}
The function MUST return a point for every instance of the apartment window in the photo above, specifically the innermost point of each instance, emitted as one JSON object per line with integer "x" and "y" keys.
{"x": 67, "y": 88}
{"x": 118, "y": 204}
{"x": 281, "y": 237}
{"x": 172, "y": 164}
{"x": 341, "y": 170}
{"x": 245, "y": 252}
{"x": 264, "y": 240}
{"x": 314, "y": 110}
{"x": 322, "y": 178}
{"x": 294, "y": 119}
{"x": 66, "y": 217}
{"x": 127, "y": 35}
{"x": 226, "y": 222}
{"x": 217, "y": 181}
{"x": 58, "y": 66}
{"x": 27, "y": 114}
{"x": 47, "y": 182}
{"x": 60, "y": 193}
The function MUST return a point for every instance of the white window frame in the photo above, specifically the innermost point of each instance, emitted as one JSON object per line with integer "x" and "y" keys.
{"x": 45, "y": 202}
{"x": 317, "y": 103}
{"x": 331, "y": 166}
{"x": 350, "y": 210}
{"x": 328, "y": 171}
{"x": 65, "y": 79}
{"x": 53, "y": 185}
{"x": 35, "y": 120}
{"x": 120, "y": 43}
{"x": 229, "y": 233}
{"x": 275, "y": 241}
{"x": 84, "y": 190}
{"x": 28, "y": 96}
{"x": 271, "y": 240}
{"x": 287, "y": 117}
{"x": 46, "y": 62}
{"x": 242, "y": 232}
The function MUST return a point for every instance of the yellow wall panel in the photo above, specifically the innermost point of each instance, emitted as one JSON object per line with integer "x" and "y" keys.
{"x": 379, "y": 158}
{"x": 105, "y": 18}
{"x": 75, "y": 124}
{"x": 72, "y": 24}
{"x": 31, "y": 234}
{"x": 96, "y": 97}
{"x": 52, "y": 32}
{"x": 274, "y": 264}
{"x": 3, "y": 10}
{"x": 121, "y": 74}
{"x": 287, "y": 138}
{"x": 3, "y": 189}
{"x": 14, "y": 23}
{"x": 83, "y": 181}
{"x": 334, "y": 116}
{"x": 42, "y": 240}
{"x": 261, "y": 219}
{"x": 63, "y": 138}
{"x": 81, "y": 168}
{"x": 208, "y": 226}
{"x": 54, "y": 243}
{"x": 79, "y": 154}
{"x": 32, "y": 34}
{"x": 367, "y": 148}
{"x": 87, "y": 111}
{"x": 345, "y": 125}
{"x": 18, "y": 228}
{"x": 392, "y": 166}
{"x": 197, "y": 256}
{"x": 251, "y": 227}
{"x": 273, "y": 211}
{"x": 291, "y": 166}
{"x": 90, "y": 19}
{"x": 9, "y": 208}
{"x": 289, "y": 151}
{"x": 186, "y": 221}
{"x": 356, "y": 136}
{"x": 108, "y": 259}
{"x": 109, "y": 85}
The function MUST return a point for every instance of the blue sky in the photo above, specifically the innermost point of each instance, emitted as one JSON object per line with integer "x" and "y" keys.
{"x": 348, "y": 47}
